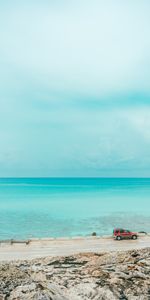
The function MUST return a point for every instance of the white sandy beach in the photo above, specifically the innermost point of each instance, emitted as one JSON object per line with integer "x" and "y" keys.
{"x": 67, "y": 246}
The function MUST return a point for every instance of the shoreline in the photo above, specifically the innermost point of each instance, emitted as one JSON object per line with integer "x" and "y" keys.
{"x": 53, "y": 247}
{"x": 78, "y": 237}
{"x": 89, "y": 276}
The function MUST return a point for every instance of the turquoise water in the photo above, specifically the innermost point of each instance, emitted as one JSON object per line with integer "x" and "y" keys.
{"x": 43, "y": 207}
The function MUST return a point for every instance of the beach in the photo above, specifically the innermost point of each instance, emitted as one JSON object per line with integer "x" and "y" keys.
{"x": 75, "y": 150}
{"x": 67, "y": 246}
{"x": 47, "y": 247}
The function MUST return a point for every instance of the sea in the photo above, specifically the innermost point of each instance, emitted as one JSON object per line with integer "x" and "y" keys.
{"x": 69, "y": 207}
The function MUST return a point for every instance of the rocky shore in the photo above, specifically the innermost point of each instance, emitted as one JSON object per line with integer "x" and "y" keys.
{"x": 107, "y": 276}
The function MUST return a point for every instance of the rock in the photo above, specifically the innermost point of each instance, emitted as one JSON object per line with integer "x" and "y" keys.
{"x": 105, "y": 276}
{"x": 41, "y": 292}
{"x": 38, "y": 277}
{"x": 94, "y": 234}
{"x": 106, "y": 294}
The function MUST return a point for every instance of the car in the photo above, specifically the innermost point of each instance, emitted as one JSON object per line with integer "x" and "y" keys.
{"x": 120, "y": 233}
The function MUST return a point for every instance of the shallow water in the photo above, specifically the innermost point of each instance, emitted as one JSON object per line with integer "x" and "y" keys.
{"x": 45, "y": 207}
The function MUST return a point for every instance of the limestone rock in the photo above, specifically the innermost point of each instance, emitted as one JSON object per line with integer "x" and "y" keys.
{"x": 104, "y": 276}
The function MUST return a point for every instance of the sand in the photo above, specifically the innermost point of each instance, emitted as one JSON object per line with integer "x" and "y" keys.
{"x": 67, "y": 246}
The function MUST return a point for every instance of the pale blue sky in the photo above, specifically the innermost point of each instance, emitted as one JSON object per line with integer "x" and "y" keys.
{"x": 74, "y": 88}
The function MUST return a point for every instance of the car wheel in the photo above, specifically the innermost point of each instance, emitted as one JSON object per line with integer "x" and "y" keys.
{"x": 118, "y": 238}
{"x": 134, "y": 237}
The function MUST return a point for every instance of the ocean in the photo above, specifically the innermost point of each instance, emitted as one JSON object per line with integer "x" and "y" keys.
{"x": 67, "y": 207}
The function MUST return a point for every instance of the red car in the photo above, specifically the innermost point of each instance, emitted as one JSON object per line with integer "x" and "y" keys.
{"x": 120, "y": 234}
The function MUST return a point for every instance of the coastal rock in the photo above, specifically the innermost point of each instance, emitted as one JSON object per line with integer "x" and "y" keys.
{"x": 39, "y": 292}
{"x": 104, "y": 276}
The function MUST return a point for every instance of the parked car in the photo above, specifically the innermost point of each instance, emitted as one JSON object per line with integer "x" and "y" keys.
{"x": 120, "y": 233}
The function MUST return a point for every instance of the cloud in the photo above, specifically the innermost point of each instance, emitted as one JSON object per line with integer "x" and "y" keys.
{"x": 70, "y": 142}
{"x": 74, "y": 88}
{"x": 92, "y": 49}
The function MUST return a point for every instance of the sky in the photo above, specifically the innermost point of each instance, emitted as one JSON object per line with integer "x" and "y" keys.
{"x": 74, "y": 88}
